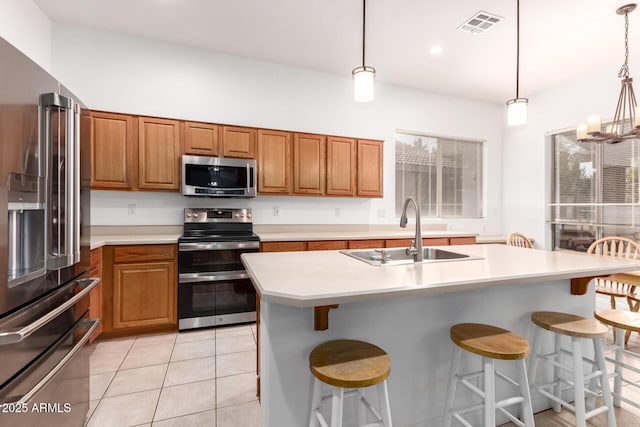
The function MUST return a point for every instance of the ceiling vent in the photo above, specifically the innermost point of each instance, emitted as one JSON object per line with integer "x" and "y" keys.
{"x": 480, "y": 23}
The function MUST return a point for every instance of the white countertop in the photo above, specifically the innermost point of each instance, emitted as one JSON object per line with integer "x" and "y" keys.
{"x": 133, "y": 239}
{"x": 398, "y": 233}
{"x": 307, "y": 279}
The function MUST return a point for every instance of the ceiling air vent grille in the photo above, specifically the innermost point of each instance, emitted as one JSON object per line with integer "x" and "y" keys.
{"x": 480, "y": 23}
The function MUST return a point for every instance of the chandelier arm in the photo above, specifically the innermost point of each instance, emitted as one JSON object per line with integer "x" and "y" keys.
{"x": 633, "y": 104}
{"x": 617, "y": 118}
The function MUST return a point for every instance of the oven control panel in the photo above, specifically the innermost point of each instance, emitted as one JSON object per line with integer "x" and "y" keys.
{"x": 217, "y": 215}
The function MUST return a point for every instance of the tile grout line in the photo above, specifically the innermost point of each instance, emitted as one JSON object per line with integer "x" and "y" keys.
{"x": 108, "y": 385}
{"x": 173, "y": 346}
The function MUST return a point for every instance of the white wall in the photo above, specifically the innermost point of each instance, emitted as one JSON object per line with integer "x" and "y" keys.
{"x": 116, "y": 72}
{"x": 526, "y": 168}
{"x": 25, "y": 26}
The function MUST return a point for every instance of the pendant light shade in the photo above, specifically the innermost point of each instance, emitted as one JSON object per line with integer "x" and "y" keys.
{"x": 517, "y": 111}
{"x": 517, "y": 107}
{"x": 363, "y": 84}
{"x": 363, "y": 76}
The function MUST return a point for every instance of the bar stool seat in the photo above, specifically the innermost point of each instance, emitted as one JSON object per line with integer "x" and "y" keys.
{"x": 352, "y": 365}
{"x": 489, "y": 342}
{"x": 622, "y": 321}
{"x": 578, "y": 328}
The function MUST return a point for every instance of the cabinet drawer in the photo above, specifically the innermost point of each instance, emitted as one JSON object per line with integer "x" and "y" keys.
{"x": 366, "y": 244}
{"x": 283, "y": 246}
{"x": 326, "y": 245}
{"x": 435, "y": 241}
{"x": 397, "y": 243}
{"x": 137, "y": 253}
{"x": 462, "y": 241}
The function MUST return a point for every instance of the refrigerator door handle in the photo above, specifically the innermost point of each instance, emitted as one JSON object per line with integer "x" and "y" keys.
{"x": 76, "y": 193}
{"x": 60, "y": 365}
{"x": 14, "y": 336}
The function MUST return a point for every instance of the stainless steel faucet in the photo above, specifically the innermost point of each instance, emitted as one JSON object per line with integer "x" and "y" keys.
{"x": 416, "y": 245}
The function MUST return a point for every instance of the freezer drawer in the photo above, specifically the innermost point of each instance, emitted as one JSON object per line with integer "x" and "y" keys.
{"x": 54, "y": 391}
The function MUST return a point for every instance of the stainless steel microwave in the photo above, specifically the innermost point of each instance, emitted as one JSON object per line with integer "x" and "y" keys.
{"x": 218, "y": 177}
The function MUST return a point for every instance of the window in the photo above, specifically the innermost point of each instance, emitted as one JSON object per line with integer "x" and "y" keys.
{"x": 594, "y": 191}
{"x": 443, "y": 175}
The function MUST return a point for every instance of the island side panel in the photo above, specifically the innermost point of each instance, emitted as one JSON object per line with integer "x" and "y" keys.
{"x": 415, "y": 333}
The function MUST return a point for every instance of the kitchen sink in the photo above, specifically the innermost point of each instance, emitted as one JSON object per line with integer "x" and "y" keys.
{"x": 399, "y": 256}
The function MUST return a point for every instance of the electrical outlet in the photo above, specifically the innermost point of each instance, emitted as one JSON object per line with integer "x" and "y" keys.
{"x": 276, "y": 211}
{"x": 337, "y": 211}
{"x": 131, "y": 209}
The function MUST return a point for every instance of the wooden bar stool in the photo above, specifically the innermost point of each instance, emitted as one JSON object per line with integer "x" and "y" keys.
{"x": 622, "y": 321}
{"x": 579, "y": 329}
{"x": 491, "y": 343}
{"x": 352, "y": 365}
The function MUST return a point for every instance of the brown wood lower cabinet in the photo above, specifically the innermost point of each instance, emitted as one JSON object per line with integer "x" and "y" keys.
{"x": 462, "y": 240}
{"x": 366, "y": 244}
{"x": 95, "y": 296}
{"x": 326, "y": 245}
{"x": 283, "y": 246}
{"x": 140, "y": 289}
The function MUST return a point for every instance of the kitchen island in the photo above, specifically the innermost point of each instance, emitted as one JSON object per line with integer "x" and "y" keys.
{"x": 407, "y": 310}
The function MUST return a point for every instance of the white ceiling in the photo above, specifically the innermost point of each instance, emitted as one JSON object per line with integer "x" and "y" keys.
{"x": 560, "y": 39}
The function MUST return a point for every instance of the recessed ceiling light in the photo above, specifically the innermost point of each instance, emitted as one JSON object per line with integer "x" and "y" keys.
{"x": 435, "y": 50}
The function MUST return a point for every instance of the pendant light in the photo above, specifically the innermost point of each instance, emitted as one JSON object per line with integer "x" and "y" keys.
{"x": 517, "y": 107}
{"x": 363, "y": 76}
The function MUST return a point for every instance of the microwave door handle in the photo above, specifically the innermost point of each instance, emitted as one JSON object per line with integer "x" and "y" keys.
{"x": 248, "y": 178}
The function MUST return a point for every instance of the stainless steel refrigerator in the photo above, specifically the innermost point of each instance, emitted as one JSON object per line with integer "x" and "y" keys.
{"x": 44, "y": 247}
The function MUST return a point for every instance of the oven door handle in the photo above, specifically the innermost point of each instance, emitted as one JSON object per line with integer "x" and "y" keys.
{"x": 14, "y": 336}
{"x": 207, "y": 277}
{"x": 217, "y": 246}
{"x": 62, "y": 363}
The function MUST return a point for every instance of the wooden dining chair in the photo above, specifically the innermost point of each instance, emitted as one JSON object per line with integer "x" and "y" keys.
{"x": 520, "y": 240}
{"x": 618, "y": 285}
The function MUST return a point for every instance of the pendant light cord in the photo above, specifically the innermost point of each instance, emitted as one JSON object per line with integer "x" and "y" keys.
{"x": 364, "y": 11}
{"x": 518, "y": 50}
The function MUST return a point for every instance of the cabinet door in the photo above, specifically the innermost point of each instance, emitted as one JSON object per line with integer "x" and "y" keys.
{"x": 239, "y": 142}
{"x": 370, "y": 168}
{"x": 159, "y": 154}
{"x": 144, "y": 294}
{"x": 112, "y": 143}
{"x": 341, "y": 166}
{"x": 201, "y": 138}
{"x": 309, "y": 159}
{"x": 274, "y": 162}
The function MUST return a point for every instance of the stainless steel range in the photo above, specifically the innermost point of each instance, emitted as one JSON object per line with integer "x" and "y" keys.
{"x": 213, "y": 287}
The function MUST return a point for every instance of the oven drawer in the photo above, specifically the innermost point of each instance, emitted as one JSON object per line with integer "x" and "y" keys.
{"x": 203, "y": 258}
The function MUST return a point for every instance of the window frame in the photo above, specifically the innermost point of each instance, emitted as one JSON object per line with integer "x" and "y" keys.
{"x": 481, "y": 170}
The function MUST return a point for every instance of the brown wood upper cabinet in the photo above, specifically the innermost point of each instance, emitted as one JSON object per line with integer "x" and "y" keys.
{"x": 113, "y": 138}
{"x": 309, "y": 159}
{"x": 201, "y": 138}
{"x": 158, "y": 154}
{"x": 341, "y": 166}
{"x": 370, "y": 155}
{"x": 239, "y": 142}
{"x": 274, "y": 162}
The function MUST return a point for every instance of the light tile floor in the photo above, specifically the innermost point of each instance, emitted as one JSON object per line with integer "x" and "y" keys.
{"x": 204, "y": 378}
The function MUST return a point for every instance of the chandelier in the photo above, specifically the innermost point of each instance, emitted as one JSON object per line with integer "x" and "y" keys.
{"x": 626, "y": 122}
